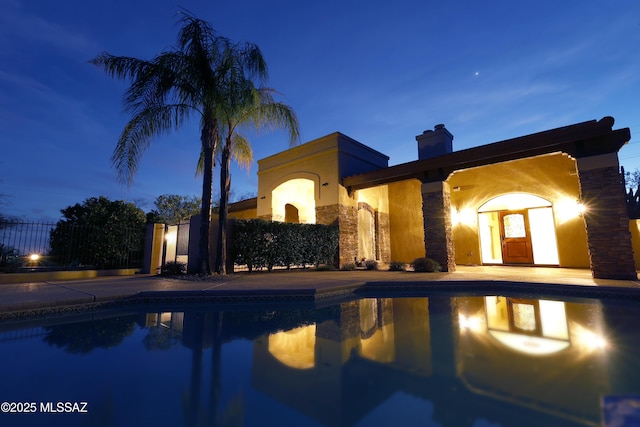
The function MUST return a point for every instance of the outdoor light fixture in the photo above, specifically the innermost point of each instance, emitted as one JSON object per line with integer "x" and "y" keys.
{"x": 34, "y": 257}
{"x": 465, "y": 216}
{"x": 324, "y": 184}
{"x": 171, "y": 237}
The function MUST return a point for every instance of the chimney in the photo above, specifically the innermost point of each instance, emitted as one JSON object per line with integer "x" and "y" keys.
{"x": 434, "y": 143}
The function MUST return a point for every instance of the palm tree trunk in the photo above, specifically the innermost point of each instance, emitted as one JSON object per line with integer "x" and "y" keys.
{"x": 208, "y": 142}
{"x": 225, "y": 188}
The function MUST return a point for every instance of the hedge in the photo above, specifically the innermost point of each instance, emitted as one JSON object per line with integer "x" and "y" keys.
{"x": 258, "y": 244}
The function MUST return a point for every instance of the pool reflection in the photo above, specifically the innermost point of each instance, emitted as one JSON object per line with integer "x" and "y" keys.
{"x": 508, "y": 360}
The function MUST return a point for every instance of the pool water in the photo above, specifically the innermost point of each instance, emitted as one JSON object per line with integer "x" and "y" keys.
{"x": 477, "y": 361}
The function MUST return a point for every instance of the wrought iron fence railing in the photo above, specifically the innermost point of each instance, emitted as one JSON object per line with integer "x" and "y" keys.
{"x": 38, "y": 246}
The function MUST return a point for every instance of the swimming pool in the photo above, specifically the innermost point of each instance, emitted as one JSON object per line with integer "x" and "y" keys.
{"x": 441, "y": 360}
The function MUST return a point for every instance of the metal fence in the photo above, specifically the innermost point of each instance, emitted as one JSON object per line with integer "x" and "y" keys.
{"x": 38, "y": 246}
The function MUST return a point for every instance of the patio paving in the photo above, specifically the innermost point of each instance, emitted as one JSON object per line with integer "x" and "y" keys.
{"x": 21, "y": 297}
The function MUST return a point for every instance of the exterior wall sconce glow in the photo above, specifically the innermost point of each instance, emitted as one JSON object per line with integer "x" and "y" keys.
{"x": 568, "y": 209}
{"x": 470, "y": 323}
{"x": 464, "y": 216}
{"x": 588, "y": 340}
{"x": 34, "y": 257}
{"x": 171, "y": 237}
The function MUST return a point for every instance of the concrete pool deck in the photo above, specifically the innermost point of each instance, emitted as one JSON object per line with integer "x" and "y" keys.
{"x": 21, "y": 300}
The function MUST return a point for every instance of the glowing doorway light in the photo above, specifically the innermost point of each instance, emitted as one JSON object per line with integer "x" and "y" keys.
{"x": 541, "y": 227}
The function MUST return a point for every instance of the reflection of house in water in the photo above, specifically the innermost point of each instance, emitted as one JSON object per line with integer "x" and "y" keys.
{"x": 347, "y": 359}
{"x": 508, "y": 360}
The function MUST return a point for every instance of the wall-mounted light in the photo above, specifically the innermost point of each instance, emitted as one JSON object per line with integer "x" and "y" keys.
{"x": 324, "y": 184}
{"x": 171, "y": 237}
{"x": 466, "y": 216}
{"x": 567, "y": 209}
{"x": 263, "y": 197}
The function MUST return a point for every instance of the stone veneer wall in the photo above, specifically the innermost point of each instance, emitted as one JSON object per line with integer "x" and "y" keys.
{"x": 438, "y": 234}
{"x": 346, "y": 217}
{"x": 607, "y": 224}
{"x": 384, "y": 237}
{"x": 347, "y": 326}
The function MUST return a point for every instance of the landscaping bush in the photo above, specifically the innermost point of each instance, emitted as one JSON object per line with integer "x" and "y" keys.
{"x": 173, "y": 268}
{"x": 371, "y": 264}
{"x": 266, "y": 244}
{"x": 397, "y": 266}
{"x": 348, "y": 267}
{"x": 427, "y": 265}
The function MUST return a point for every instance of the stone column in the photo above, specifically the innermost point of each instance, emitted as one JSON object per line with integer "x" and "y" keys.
{"x": 438, "y": 233}
{"x": 346, "y": 217}
{"x": 605, "y": 218}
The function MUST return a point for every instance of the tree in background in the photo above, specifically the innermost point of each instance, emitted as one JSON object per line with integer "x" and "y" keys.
{"x": 631, "y": 181}
{"x": 100, "y": 233}
{"x": 173, "y": 208}
{"x": 191, "y": 80}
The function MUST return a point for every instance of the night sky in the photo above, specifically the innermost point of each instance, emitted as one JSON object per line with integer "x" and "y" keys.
{"x": 379, "y": 72}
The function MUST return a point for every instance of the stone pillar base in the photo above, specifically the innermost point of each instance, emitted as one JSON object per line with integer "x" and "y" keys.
{"x": 438, "y": 233}
{"x": 606, "y": 219}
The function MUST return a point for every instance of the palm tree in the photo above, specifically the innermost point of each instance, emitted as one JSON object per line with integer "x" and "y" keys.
{"x": 249, "y": 108}
{"x": 171, "y": 88}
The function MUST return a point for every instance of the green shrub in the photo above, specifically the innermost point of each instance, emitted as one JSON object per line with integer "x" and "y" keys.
{"x": 426, "y": 265}
{"x": 348, "y": 267}
{"x": 259, "y": 244}
{"x": 371, "y": 264}
{"x": 173, "y": 268}
{"x": 397, "y": 266}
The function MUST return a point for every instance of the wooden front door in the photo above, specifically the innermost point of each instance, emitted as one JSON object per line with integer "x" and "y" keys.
{"x": 516, "y": 238}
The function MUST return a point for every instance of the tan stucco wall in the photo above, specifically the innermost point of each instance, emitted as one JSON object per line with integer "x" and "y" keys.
{"x": 376, "y": 197}
{"x": 405, "y": 218}
{"x": 316, "y": 161}
{"x": 552, "y": 177}
{"x": 325, "y": 161}
{"x": 245, "y": 214}
{"x": 634, "y": 228}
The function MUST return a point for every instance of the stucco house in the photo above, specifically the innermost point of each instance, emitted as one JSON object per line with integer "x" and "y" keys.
{"x": 553, "y": 198}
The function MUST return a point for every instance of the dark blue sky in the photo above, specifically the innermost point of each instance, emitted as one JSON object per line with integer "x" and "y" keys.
{"x": 380, "y": 72}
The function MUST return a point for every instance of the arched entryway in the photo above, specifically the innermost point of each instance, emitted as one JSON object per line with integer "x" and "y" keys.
{"x": 518, "y": 228}
{"x": 294, "y": 201}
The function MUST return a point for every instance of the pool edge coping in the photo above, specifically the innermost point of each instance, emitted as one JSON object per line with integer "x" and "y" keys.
{"x": 316, "y": 296}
